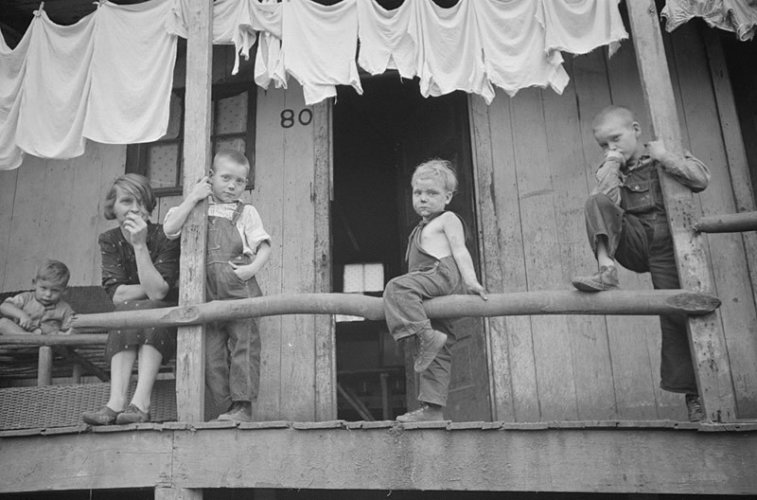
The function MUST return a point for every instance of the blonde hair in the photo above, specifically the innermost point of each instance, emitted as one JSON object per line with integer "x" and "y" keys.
{"x": 438, "y": 168}
{"x": 621, "y": 112}
{"x": 134, "y": 184}
{"x": 233, "y": 155}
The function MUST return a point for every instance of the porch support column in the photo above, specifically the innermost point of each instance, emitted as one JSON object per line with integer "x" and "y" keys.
{"x": 190, "y": 357}
{"x": 706, "y": 336}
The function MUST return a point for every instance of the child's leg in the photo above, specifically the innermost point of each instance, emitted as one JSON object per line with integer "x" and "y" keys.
{"x": 217, "y": 365}
{"x": 10, "y": 327}
{"x": 405, "y": 316}
{"x": 433, "y": 387}
{"x": 244, "y": 359}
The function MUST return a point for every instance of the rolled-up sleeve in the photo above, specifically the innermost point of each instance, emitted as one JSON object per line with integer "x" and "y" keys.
{"x": 609, "y": 180}
{"x": 687, "y": 170}
{"x": 113, "y": 270}
{"x": 254, "y": 232}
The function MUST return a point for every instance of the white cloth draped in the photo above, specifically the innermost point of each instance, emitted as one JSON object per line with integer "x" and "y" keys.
{"x": 109, "y": 77}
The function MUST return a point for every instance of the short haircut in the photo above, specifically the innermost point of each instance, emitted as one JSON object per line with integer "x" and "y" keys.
{"x": 614, "y": 110}
{"x": 134, "y": 184}
{"x": 54, "y": 271}
{"x": 233, "y": 155}
{"x": 439, "y": 168}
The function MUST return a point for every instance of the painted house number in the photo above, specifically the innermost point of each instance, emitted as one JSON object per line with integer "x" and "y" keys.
{"x": 289, "y": 119}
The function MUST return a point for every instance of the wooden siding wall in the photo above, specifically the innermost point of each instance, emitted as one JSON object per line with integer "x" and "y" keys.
{"x": 53, "y": 209}
{"x": 536, "y": 157}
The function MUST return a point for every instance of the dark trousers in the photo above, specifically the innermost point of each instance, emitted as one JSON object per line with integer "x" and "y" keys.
{"x": 645, "y": 245}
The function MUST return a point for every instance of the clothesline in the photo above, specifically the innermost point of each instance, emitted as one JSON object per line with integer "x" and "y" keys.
{"x": 109, "y": 76}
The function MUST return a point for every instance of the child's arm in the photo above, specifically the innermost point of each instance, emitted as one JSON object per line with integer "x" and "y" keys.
{"x": 608, "y": 176}
{"x": 686, "y": 169}
{"x": 9, "y": 310}
{"x": 176, "y": 217}
{"x": 453, "y": 229}
{"x": 247, "y": 271}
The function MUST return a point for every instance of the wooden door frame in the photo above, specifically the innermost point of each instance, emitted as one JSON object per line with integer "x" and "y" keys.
{"x": 323, "y": 182}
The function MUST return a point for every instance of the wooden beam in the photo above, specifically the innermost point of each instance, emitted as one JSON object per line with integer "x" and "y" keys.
{"x": 609, "y": 457}
{"x": 45, "y": 366}
{"x": 622, "y": 302}
{"x": 706, "y": 336}
{"x": 190, "y": 355}
{"x": 74, "y": 339}
{"x": 727, "y": 223}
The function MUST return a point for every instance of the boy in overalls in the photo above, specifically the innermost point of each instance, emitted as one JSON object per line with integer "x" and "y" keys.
{"x": 438, "y": 264}
{"x": 238, "y": 248}
{"x": 626, "y": 221}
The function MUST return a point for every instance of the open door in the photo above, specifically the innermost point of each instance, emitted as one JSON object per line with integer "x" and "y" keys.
{"x": 379, "y": 138}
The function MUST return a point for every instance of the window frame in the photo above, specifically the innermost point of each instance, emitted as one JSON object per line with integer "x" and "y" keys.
{"x": 137, "y": 154}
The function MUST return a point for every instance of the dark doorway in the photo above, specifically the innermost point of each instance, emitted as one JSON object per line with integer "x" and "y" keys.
{"x": 379, "y": 138}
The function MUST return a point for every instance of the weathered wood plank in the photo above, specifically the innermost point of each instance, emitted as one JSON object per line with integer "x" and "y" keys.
{"x": 45, "y": 366}
{"x": 8, "y": 188}
{"x": 325, "y": 340}
{"x": 554, "y": 369}
{"x": 729, "y": 263}
{"x": 190, "y": 355}
{"x": 706, "y": 333}
{"x": 298, "y": 335}
{"x": 491, "y": 266}
{"x": 586, "y": 335}
{"x": 268, "y": 199}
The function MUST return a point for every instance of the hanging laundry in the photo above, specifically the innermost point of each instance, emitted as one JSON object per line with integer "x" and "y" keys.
{"x": 56, "y": 87}
{"x": 384, "y": 39}
{"x": 319, "y": 43}
{"x": 738, "y": 16}
{"x": 451, "y": 55}
{"x": 269, "y": 64}
{"x": 580, "y": 26}
{"x": 232, "y": 25}
{"x": 514, "y": 46}
{"x": 12, "y": 70}
{"x": 132, "y": 73}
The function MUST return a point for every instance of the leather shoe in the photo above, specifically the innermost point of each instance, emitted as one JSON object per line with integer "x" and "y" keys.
{"x": 132, "y": 415}
{"x": 103, "y": 416}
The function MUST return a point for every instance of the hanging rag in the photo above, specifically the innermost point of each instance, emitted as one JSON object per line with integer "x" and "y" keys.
{"x": 384, "y": 39}
{"x": 580, "y": 26}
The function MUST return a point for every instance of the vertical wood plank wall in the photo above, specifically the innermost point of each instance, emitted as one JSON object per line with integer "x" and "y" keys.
{"x": 535, "y": 159}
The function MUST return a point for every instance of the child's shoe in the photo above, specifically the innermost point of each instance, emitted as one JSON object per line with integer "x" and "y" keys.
{"x": 426, "y": 413}
{"x": 605, "y": 279}
{"x": 431, "y": 342}
{"x": 240, "y": 411}
{"x": 132, "y": 415}
{"x": 103, "y": 416}
{"x": 694, "y": 408}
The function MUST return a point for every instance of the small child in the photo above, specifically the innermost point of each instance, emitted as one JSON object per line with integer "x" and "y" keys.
{"x": 238, "y": 248}
{"x": 40, "y": 311}
{"x": 626, "y": 221}
{"x": 438, "y": 264}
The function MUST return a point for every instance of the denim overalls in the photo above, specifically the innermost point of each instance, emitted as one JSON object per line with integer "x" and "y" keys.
{"x": 232, "y": 348}
{"x": 403, "y": 306}
{"x": 639, "y": 239}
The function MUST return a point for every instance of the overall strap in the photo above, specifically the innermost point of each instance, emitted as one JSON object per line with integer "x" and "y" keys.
{"x": 237, "y": 212}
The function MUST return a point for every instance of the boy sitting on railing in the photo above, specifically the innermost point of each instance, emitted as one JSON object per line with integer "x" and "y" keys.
{"x": 238, "y": 248}
{"x": 39, "y": 311}
{"x": 439, "y": 264}
{"x": 626, "y": 221}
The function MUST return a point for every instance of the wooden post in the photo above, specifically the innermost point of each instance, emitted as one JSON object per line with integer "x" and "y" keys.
{"x": 45, "y": 366}
{"x": 706, "y": 332}
{"x": 190, "y": 356}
